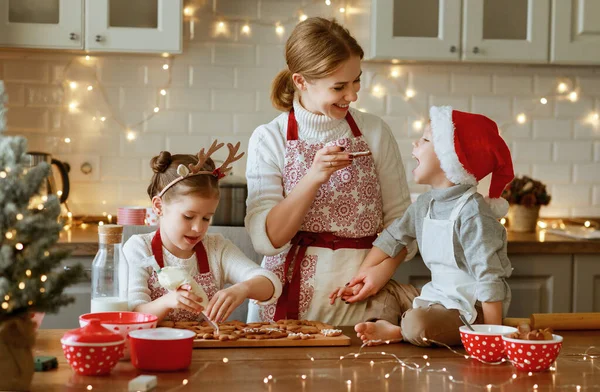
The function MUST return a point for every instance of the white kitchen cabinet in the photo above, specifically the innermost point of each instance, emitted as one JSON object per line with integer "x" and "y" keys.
{"x": 146, "y": 26}
{"x": 586, "y": 284}
{"x": 133, "y": 25}
{"x": 52, "y": 24}
{"x": 505, "y": 31}
{"x": 575, "y": 32}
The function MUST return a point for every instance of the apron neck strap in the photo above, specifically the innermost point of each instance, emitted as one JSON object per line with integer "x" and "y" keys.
{"x": 459, "y": 204}
{"x": 201, "y": 255}
{"x": 292, "y": 126}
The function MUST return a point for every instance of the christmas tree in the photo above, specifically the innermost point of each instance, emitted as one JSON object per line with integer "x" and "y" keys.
{"x": 30, "y": 276}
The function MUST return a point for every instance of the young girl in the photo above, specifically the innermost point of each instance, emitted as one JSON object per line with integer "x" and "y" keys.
{"x": 459, "y": 237}
{"x": 185, "y": 194}
{"x": 314, "y": 208}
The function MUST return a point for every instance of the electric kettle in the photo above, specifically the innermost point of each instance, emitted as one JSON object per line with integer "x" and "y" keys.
{"x": 49, "y": 187}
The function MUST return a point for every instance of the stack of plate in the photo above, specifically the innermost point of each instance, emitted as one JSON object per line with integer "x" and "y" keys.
{"x": 131, "y": 215}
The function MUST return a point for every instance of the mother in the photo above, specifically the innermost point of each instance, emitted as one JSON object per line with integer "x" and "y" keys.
{"x": 312, "y": 209}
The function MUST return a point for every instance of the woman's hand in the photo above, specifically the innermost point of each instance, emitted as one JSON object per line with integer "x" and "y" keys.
{"x": 345, "y": 292}
{"x": 327, "y": 161}
{"x": 184, "y": 299}
{"x": 224, "y": 302}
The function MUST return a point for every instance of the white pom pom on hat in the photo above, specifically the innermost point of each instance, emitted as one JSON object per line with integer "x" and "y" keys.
{"x": 469, "y": 148}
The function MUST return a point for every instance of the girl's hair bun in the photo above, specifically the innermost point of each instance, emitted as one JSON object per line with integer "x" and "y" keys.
{"x": 161, "y": 163}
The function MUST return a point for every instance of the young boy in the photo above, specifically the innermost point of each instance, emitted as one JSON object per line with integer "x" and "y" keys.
{"x": 458, "y": 234}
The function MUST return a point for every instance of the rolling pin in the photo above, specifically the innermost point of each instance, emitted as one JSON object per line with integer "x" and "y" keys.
{"x": 558, "y": 321}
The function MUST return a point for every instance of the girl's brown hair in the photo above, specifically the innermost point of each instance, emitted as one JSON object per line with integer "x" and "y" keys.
{"x": 315, "y": 49}
{"x": 165, "y": 166}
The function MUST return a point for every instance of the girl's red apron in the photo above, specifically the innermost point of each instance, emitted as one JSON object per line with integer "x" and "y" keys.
{"x": 204, "y": 278}
{"x": 337, "y": 233}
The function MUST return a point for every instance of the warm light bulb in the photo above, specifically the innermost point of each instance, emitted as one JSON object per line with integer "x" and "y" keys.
{"x": 90, "y": 88}
{"x": 573, "y": 96}
{"x": 156, "y": 109}
{"x": 521, "y": 118}
{"x": 378, "y": 91}
{"x": 303, "y": 17}
{"x": 165, "y": 54}
{"x": 342, "y": 10}
{"x": 4, "y": 305}
{"x": 87, "y": 58}
{"x": 595, "y": 116}
{"x": 131, "y": 136}
{"x": 246, "y": 29}
{"x": 587, "y": 223}
{"x": 279, "y": 30}
{"x": 387, "y": 375}
{"x": 349, "y": 382}
{"x": 395, "y": 73}
{"x": 410, "y": 93}
{"x": 89, "y": 387}
{"x": 67, "y": 140}
{"x": 417, "y": 125}
{"x": 542, "y": 224}
{"x": 28, "y": 273}
{"x": 3, "y": 174}
{"x": 19, "y": 216}
{"x": 327, "y": 2}
{"x": 43, "y": 278}
{"x": 73, "y": 105}
{"x": 73, "y": 85}
{"x": 303, "y": 376}
{"x": 22, "y": 285}
{"x": 503, "y": 221}
{"x": 221, "y": 25}
{"x": 185, "y": 381}
{"x": 100, "y": 223}
{"x": 188, "y": 11}
{"x": 163, "y": 92}
{"x": 42, "y": 290}
{"x": 165, "y": 66}
{"x": 562, "y": 87}
{"x": 543, "y": 101}
{"x": 40, "y": 207}
{"x": 19, "y": 246}
{"x": 102, "y": 119}
{"x": 225, "y": 360}
{"x": 69, "y": 214}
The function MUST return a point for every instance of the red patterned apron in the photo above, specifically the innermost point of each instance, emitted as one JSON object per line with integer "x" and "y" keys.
{"x": 204, "y": 278}
{"x": 337, "y": 233}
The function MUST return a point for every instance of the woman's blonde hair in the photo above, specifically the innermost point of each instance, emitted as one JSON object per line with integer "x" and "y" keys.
{"x": 315, "y": 49}
{"x": 165, "y": 166}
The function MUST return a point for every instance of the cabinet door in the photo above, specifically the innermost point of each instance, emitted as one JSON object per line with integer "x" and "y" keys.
{"x": 506, "y": 31}
{"x": 586, "y": 284}
{"x": 540, "y": 284}
{"x": 134, "y": 25}
{"x": 415, "y": 30}
{"x": 53, "y": 24}
{"x": 575, "y": 32}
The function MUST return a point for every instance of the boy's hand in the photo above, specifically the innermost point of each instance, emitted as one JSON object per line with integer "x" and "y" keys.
{"x": 344, "y": 292}
{"x": 370, "y": 280}
{"x": 225, "y": 302}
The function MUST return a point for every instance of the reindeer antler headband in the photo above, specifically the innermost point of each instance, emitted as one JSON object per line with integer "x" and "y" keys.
{"x": 195, "y": 170}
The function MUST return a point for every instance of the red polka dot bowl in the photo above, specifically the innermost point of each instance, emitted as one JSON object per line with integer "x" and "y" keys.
{"x": 485, "y": 343}
{"x": 122, "y": 323}
{"x": 92, "y": 350}
{"x": 532, "y": 355}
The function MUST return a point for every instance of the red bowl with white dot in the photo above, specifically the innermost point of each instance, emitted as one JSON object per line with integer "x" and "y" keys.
{"x": 532, "y": 355}
{"x": 485, "y": 343}
{"x": 92, "y": 350}
{"x": 122, "y": 323}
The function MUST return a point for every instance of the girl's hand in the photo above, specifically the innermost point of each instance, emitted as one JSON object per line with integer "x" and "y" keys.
{"x": 184, "y": 299}
{"x": 345, "y": 292}
{"x": 327, "y": 161}
{"x": 224, "y": 302}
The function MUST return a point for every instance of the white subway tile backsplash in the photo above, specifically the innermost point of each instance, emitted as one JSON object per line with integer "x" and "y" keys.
{"x": 231, "y": 100}
{"x": 264, "y": 34}
{"x": 512, "y": 85}
{"x": 590, "y": 85}
{"x": 134, "y": 193}
{"x": 272, "y": 56}
{"x": 584, "y": 130}
{"x": 30, "y": 71}
{"x": 104, "y": 143}
{"x": 86, "y": 194}
{"x": 15, "y": 94}
{"x": 552, "y": 129}
{"x": 188, "y": 144}
{"x": 180, "y": 75}
{"x": 587, "y": 173}
{"x": 76, "y": 161}
{"x": 237, "y": 9}
{"x": 514, "y": 131}
{"x": 532, "y": 107}
{"x": 430, "y": 82}
{"x": 27, "y": 119}
{"x": 202, "y": 76}
{"x": 581, "y": 108}
{"x": 552, "y": 211}
{"x": 457, "y": 103}
{"x": 211, "y": 123}
{"x": 552, "y": 173}
{"x": 188, "y": 98}
{"x": 522, "y": 169}
{"x": 597, "y": 152}
{"x": 277, "y": 11}
{"x": 532, "y": 152}
{"x": 398, "y": 126}
{"x": 399, "y": 105}
{"x": 572, "y": 151}
{"x": 169, "y": 122}
{"x": 544, "y": 85}
{"x": 143, "y": 145}
{"x": 235, "y": 54}
{"x": 471, "y": 84}
{"x": 139, "y": 98}
{"x": 112, "y": 168}
{"x": 40, "y": 95}
{"x": 585, "y": 211}
{"x": 254, "y": 78}
{"x": 596, "y": 195}
{"x": 371, "y": 104}
{"x": 114, "y": 72}
{"x": 497, "y": 108}
{"x": 570, "y": 195}
{"x": 246, "y": 123}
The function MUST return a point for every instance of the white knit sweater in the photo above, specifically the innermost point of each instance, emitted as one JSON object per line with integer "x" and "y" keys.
{"x": 266, "y": 156}
{"x": 227, "y": 263}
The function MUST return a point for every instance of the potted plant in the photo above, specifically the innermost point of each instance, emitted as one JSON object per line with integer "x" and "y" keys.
{"x": 525, "y": 196}
{"x": 30, "y": 280}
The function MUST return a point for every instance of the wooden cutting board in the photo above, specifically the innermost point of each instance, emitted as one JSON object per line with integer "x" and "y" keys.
{"x": 318, "y": 341}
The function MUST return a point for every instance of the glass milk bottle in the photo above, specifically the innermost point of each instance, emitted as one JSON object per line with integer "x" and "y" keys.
{"x": 110, "y": 273}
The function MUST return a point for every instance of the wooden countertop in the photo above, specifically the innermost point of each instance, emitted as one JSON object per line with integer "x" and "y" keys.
{"x": 84, "y": 242}
{"x": 246, "y": 369}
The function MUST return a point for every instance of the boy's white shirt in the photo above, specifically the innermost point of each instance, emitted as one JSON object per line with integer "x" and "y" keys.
{"x": 227, "y": 263}
{"x": 266, "y": 160}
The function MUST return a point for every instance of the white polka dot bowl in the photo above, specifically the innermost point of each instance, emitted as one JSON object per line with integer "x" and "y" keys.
{"x": 532, "y": 355}
{"x": 485, "y": 343}
{"x": 122, "y": 323}
{"x": 92, "y": 350}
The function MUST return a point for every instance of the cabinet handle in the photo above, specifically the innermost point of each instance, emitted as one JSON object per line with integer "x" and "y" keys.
{"x": 453, "y": 49}
{"x": 72, "y": 36}
{"x": 99, "y": 38}
{"x": 476, "y": 50}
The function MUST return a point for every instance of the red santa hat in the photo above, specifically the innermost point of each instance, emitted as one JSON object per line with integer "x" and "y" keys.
{"x": 469, "y": 148}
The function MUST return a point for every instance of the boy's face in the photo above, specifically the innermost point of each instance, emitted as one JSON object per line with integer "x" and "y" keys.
{"x": 428, "y": 170}
{"x": 331, "y": 96}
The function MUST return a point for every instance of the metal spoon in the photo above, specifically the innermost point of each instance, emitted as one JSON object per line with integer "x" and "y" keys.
{"x": 465, "y": 322}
